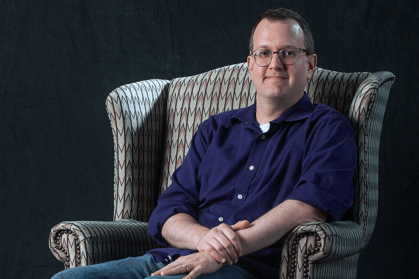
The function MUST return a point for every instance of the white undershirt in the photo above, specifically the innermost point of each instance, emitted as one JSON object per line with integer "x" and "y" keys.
{"x": 265, "y": 127}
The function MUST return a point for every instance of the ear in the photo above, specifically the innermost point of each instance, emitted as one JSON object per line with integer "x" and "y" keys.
{"x": 250, "y": 62}
{"x": 311, "y": 65}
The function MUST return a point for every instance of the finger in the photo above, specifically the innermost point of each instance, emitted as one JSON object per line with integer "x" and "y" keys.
{"x": 240, "y": 225}
{"x": 179, "y": 269}
{"x": 234, "y": 246}
{"x": 160, "y": 271}
{"x": 215, "y": 254}
{"x": 229, "y": 243}
{"x": 194, "y": 273}
{"x": 216, "y": 249}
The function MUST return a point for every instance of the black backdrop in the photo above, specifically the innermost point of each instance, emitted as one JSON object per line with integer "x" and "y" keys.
{"x": 60, "y": 59}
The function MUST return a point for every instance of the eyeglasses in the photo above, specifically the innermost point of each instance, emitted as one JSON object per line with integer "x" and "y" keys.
{"x": 288, "y": 56}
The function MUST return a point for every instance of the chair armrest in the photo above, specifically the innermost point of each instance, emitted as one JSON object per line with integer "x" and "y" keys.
{"x": 81, "y": 243}
{"x": 318, "y": 242}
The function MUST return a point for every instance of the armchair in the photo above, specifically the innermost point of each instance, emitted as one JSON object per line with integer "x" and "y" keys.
{"x": 153, "y": 122}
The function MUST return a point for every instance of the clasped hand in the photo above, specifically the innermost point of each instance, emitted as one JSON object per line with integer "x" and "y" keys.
{"x": 219, "y": 245}
{"x": 222, "y": 242}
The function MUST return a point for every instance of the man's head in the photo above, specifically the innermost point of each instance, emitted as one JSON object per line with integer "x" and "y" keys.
{"x": 281, "y": 61}
{"x": 282, "y": 14}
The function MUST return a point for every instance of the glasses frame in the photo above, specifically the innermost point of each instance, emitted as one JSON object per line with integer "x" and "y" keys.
{"x": 253, "y": 54}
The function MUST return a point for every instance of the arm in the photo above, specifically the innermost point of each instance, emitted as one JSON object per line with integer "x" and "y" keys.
{"x": 183, "y": 231}
{"x": 273, "y": 225}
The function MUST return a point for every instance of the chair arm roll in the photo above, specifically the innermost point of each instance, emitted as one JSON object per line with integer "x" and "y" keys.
{"x": 320, "y": 242}
{"x": 81, "y": 243}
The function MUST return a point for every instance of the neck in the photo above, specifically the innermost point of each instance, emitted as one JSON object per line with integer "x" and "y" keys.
{"x": 264, "y": 115}
{"x": 268, "y": 110}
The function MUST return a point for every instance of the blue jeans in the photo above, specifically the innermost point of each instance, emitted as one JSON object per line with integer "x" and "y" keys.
{"x": 140, "y": 268}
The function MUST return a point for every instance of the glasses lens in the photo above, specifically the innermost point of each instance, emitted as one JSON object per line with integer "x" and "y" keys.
{"x": 263, "y": 57}
{"x": 288, "y": 56}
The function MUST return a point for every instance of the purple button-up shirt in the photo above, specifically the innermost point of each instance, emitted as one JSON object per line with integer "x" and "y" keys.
{"x": 233, "y": 171}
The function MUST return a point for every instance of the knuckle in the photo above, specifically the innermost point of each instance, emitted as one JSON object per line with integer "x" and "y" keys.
{"x": 206, "y": 249}
{"x": 213, "y": 231}
{"x": 211, "y": 250}
{"x": 228, "y": 245}
{"x": 220, "y": 249}
{"x": 223, "y": 226}
{"x": 234, "y": 237}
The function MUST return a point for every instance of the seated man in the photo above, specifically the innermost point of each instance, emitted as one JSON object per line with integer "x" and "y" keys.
{"x": 252, "y": 174}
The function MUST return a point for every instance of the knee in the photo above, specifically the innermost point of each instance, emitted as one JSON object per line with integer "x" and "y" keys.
{"x": 65, "y": 274}
{"x": 59, "y": 275}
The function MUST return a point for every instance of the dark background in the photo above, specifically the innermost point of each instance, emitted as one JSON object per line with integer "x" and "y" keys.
{"x": 60, "y": 59}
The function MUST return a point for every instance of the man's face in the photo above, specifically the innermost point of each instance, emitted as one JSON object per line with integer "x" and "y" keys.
{"x": 285, "y": 83}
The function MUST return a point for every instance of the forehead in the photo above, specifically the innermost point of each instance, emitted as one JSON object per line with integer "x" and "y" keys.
{"x": 277, "y": 34}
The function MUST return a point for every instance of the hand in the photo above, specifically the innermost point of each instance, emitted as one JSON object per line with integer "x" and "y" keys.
{"x": 222, "y": 243}
{"x": 196, "y": 264}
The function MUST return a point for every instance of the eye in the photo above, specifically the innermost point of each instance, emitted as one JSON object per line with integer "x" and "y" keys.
{"x": 289, "y": 53}
{"x": 263, "y": 53}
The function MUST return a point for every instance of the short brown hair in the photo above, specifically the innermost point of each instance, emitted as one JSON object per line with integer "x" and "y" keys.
{"x": 283, "y": 14}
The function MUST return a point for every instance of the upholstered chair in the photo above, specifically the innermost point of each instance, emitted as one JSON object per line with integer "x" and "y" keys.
{"x": 153, "y": 122}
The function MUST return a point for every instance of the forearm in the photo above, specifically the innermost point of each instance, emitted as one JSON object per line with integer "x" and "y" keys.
{"x": 183, "y": 231}
{"x": 273, "y": 225}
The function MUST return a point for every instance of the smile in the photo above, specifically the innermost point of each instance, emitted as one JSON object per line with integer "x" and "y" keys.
{"x": 276, "y": 77}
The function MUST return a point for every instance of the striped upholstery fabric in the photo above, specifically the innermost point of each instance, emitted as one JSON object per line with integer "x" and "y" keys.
{"x": 153, "y": 122}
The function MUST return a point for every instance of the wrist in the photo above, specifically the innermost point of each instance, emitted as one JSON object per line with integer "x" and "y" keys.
{"x": 246, "y": 240}
{"x": 198, "y": 236}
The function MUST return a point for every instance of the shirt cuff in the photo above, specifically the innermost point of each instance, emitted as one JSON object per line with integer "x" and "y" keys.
{"x": 311, "y": 195}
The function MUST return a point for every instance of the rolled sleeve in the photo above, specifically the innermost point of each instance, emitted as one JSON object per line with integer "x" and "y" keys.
{"x": 328, "y": 167}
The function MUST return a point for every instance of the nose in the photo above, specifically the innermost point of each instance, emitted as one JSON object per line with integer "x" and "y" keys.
{"x": 276, "y": 61}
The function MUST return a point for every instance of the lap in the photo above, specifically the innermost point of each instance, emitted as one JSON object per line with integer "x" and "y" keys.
{"x": 129, "y": 268}
{"x": 141, "y": 268}
{"x": 230, "y": 272}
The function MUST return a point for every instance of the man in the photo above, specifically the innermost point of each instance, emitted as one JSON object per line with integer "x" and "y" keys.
{"x": 252, "y": 174}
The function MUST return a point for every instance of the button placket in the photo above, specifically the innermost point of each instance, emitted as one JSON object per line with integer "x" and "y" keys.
{"x": 243, "y": 184}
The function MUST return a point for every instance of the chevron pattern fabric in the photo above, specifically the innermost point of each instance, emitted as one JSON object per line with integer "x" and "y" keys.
{"x": 137, "y": 114}
{"x": 194, "y": 99}
{"x": 153, "y": 123}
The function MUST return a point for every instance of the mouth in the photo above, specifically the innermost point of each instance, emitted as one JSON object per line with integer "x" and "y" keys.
{"x": 275, "y": 77}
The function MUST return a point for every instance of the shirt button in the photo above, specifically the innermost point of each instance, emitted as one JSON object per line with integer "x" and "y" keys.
{"x": 263, "y": 137}
{"x": 251, "y": 168}
{"x": 239, "y": 196}
{"x": 221, "y": 219}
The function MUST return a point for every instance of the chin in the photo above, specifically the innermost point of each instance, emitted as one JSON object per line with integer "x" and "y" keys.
{"x": 274, "y": 91}
{"x": 274, "y": 95}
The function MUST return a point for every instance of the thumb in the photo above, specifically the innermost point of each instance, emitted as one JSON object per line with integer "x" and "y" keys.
{"x": 240, "y": 225}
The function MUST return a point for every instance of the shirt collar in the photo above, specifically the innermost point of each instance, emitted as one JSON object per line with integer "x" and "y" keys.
{"x": 301, "y": 110}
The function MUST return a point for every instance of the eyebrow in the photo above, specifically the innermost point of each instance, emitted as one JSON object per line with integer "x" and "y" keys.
{"x": 266, "y": 47}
